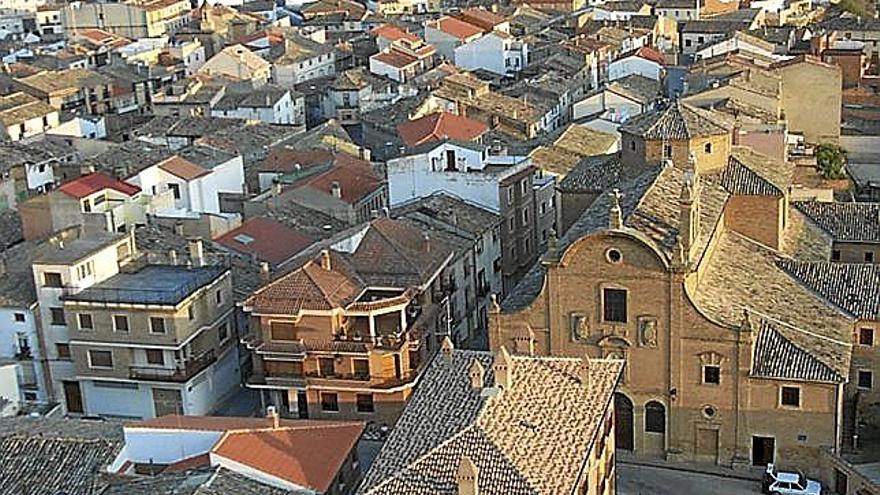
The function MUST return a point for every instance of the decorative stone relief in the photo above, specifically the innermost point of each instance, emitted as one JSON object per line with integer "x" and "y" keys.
{"x": 580, "y": 327}
{"x": 648, "y": 331}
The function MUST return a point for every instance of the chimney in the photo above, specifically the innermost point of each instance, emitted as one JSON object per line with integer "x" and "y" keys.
{"x": 172, "y": 257}
{"x": 2, "y": 266}
{"x": 426, "y": 242}
{"x": 178, "y": 228}
{"x": 336, "y": 190}
{"x": 476, "y": 375}
{"x": 196, "y": 252}
{"x": 276, "y": 188}
{"x": 446, "y": 348}
{"x": 274, "y": 419}
{"x": 503, "y": 369}
{"x": 265, "y": 274}
{"x": 584, "y": 371}
{"x": 325, "y": 259}
{"x": 466, "y": 477}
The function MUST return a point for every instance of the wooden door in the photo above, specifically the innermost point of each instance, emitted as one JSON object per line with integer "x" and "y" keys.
{"x": 73, "y": 397}
{"x": 623, "y": 411}
{"x": 707, "y": 446}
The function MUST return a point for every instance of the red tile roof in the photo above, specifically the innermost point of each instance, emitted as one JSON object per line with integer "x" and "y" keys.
{"x": 482, "y": 18}
{"x": 266, "y": 239}
{"x": 395, "y": 59}
{"x": 355, "y": 177}
{"x": 649, "y": 53}
{"x": 439, "y": 126}
{"x": 456, "y": 27}
{"x": 183, "y": 169}
{"x": 283, "y": 159}
{"x": 98, "y": 181}
{"x": 394, "y": 33}
{"x": 310, "y": 455}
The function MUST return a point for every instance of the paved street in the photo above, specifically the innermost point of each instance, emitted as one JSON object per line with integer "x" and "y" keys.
{"x": 647, "y": 480}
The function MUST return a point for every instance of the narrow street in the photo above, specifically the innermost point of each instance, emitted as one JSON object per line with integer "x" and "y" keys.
{"x": 648, "y": 480}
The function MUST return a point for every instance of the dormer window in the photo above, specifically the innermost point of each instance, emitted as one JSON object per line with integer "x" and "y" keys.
{"x": 707, "y": 148}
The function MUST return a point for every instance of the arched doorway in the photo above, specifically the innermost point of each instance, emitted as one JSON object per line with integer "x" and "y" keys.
{"x": 623, "y": 412}
{"x": 655, "y": 427}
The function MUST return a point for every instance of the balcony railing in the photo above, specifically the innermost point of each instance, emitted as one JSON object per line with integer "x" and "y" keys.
{"x": 190, "y": 368}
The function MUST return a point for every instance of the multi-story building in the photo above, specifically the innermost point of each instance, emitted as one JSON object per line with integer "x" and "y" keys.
{"x": 475, "y": 234}
{"x": 494, "y": 423}
{"x": 681, "y": 270}
{"x": 134, "y": 19}
{"x": 155, "y": 339}
{"x": 70, "y": 90}
{"x": 303, "y": 60}
{"x": 508, "y": 185}
{"x": 345, "y": 334}
{"x": 852, "y": 226}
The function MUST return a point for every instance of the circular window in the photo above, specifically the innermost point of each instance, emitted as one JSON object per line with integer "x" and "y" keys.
{"x": 709, "y": 412}
{"x": 613, "y": 255}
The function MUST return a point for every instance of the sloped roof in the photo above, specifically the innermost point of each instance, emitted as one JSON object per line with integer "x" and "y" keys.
{"x": 852, "y": 287}
{"x": 455, "y": 27}
{"x": 183, "y": 169}
{"x": 678, "y": 121}
{"x": 439, "y": 126}
{"x": 777, "y": 357}
{"x": 531, "y": 438}
{"x": 356, "y": 178}
{"x": 848, "y": 222}
{"x": 573, "y": 146}
{"x": 593, "y": 174}
{"x": 97, "y": 181}
{"x": 741, "y": 180}
{"x": 310, "y": 455}
{"x": 266, "y": 239}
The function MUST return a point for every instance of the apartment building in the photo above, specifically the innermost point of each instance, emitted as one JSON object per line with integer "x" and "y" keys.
{"x": 346, "y": 334}
{"x": 154, "y": 340}
{"x": 133, "y": 19}
{"x": 508, "y": 185}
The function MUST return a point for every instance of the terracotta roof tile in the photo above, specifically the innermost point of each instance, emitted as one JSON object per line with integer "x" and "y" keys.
{"x": 309, "y": 455}
{"x": 183, "y": 169}
{"x": 89, "y": 184}
{"x": 355, "y": 177}
{"x": 456, "y": 27}
{"x": 395, "y": 58}
{"x": 439, "y": 126}
{"x": 394, "y": 33}
{"x": 207, "y": 423}
{"x": 266, "y": 239}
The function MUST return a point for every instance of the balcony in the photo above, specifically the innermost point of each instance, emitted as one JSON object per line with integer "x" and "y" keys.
{"x": 190, "y": 368}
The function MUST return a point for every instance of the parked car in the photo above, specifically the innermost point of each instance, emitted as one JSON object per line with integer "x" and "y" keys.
{"x": 788, "y": 483}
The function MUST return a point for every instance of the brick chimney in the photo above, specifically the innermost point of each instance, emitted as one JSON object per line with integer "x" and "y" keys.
{"x": 336, "y": 190}
{"x": 325, "y": 259}
{"x": 476, "y": 375}
{"x": 503, "y": 369}
{"x": 446, "y": 348}
{"x": 272, "y": 416}
{"x": 196, "y": 252}
{"x": 584, "y": 371}
{"x": 467, "y": 477}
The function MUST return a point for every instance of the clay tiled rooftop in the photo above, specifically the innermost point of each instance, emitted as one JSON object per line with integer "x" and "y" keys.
{"x": 309, "y": 455}
{"x": 395, "y": 58}
{"x": 852, "y": 287}
{"x": 847, "y": 222}
{"x": 266, "y": 239}
{"x": 571, "y": 147}
{"x": 394, "y": 33}
{"x": 777, "y": 357}
{"x": 455, "y": 27}
{"x": 182, "y": 169}
{"x": 439, "y": 126}
{"x": 210, "y": 423}
{"x": 356, "y": 179}
{"x": 89, "y": 184}
{"x": 530, "y": 438}
{"x": 676, "y": 122}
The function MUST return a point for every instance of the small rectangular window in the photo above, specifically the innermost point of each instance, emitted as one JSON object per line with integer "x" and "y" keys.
{"x": 326, "y": 366}
{"x": 711, "y": 374}
{"x": 866, "y": 336}
{"x": 120, "y": 323}
{"x": 156, "y": 357}
{"x": 63, "y": 351}
{"x": 614, "y": 305}
{"x": 190, "y": 312}
{"x": 18, "y": 317}
{"x": 790, "y": 397}
{"x": 157, "y": 325}
{"x": 869, "y": 256}
{"x": 57, "y": 316}
{"x": 365, "y": 403}
{"x": 361, "y": 368}
{"x": 835, "y": 255}
{"x": 282, "y": 331}
{"x": 85, "y": 321}
{"x": 52, "y": 279}
{"x": 223, "y": 332}
{"x": 329, "y": 402}
{"x": 100, "y": 359}
{"x": 866, "y": 379}
{"x": 218, "y": 297}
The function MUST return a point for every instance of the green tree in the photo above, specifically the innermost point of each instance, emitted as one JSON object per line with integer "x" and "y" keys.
{"x": 858, "y": 7}
{"x": 830, "y": 158}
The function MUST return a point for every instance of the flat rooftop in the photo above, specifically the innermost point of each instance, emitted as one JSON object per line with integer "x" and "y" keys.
{"x": 153, "y": 284}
